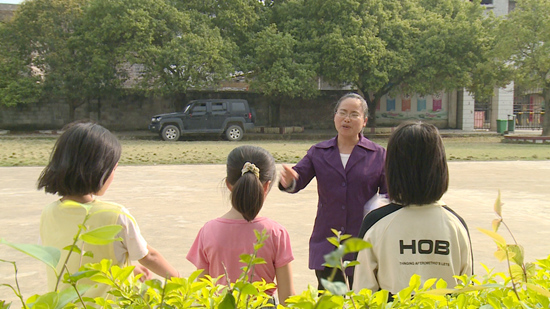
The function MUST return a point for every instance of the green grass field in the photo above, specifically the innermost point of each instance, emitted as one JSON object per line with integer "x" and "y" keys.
{"x": 35, "y": 151}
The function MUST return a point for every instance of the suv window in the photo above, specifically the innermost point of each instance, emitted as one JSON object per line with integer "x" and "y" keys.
{"x": 198, "y": 109}
{"x": 218, "y": 108}
{"x": 238, "y": 107}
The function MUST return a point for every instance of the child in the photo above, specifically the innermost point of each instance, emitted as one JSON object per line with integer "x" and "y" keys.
{"x": 83, "y": 164}
{"x": 250, "y": 175}
{"x": 416, "y": 233}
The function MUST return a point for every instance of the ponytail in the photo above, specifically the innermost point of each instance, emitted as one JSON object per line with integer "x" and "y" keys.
{"x": 248, "y": 169}
{"x": 247, "y": 196}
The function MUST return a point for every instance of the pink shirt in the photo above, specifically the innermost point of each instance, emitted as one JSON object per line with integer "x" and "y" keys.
{"x": 224, "y": 240}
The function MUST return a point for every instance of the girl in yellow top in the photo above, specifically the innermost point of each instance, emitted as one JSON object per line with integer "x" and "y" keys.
{"x": 82, "y": 166}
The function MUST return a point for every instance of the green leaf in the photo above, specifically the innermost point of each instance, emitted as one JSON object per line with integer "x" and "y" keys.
{"x": 258, "y": 246}
{"x": 429, "y": 283}
{"x": 336, "y": 287}
{"x": 228, "y": 302}
{"x": 503, "y": 254}
{"x": 496, "y": 224}
{"x": 69, "y": 295}
{"x": 73, "y": 248}
{"x": 414, "y": 281}
{"x": 155, "y": 284}
{"x": 48, "y": 300}
{"x": 89, "y": 254}
{"x": 48, "y": 255}
{"x": 245, "y": 258}
{"x": 498, "y": 206}
{"x": 246, "y": 288}
{"x": 495, "y": 236}
{"x": 439, "y": 292}
{"x": 334, "y": 241}
{"x": 102, "y": 235}
{"x": 257, "y": 261}
{"x": 355, "y": 244}
{"x": 101, "y": 278}
{"x": 4, "y": 305}
{"x": 518, "y": 253}
{"x": 538, "y": 289}
{"x": 333, "y": 258}
{"x": 344, "y": 237}
{"x": 124, "y": 273}
{"x": 441, "y": 284}
{"x": 82, "y": 274}
{"x": 351, "y": 263}
{"x": 517, "y": 273}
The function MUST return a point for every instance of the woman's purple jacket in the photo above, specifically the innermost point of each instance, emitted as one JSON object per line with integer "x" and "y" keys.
{"x": 342, "y": 192}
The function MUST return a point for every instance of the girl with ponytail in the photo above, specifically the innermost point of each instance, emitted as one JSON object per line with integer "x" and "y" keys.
{"x": 250, "y": 174}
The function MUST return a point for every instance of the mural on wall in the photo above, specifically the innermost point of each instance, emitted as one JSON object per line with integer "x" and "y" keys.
{"x": 413, "y": 107}
{"x": 390, "y": 103}
{"x": 406, "y": 102}
{"x": 437, "y": 101}
{"x": 420, "y": 103}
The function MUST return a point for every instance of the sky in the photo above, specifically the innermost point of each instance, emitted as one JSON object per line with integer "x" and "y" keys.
{"x": 11, "y": 1}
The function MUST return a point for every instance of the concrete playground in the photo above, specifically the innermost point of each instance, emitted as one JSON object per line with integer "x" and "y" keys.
{"x": 171, "y": 203}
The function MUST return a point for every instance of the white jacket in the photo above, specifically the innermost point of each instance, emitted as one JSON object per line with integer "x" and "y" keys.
{"x": 429, "y": 240}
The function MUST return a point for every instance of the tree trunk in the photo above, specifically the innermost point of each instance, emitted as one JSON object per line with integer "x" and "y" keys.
{"x": 546, "y": 119}
{"x": 274, "y": 112}
{"x": 372, "y": 112}
{"x": 371, "y": 103}
{"x": 72, "y": 107}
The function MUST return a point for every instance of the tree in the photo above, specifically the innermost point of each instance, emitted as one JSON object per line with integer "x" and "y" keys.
{"x": 193, "y": 56}
{"x": 278, "y": 71}
{"x": 19, "y": 84}
{"x": 525, "y": 46}
{"x": 89, "y": 49}
{"x": 42, "y": 31}
{"x": 377, "y": 46}
{"x": 272, "y": 61}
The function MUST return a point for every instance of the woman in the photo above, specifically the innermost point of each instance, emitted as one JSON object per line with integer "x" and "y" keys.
{"x": 349, "y": 170}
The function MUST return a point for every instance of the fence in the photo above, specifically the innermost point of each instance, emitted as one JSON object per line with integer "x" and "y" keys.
{"x": 529, "y": 120}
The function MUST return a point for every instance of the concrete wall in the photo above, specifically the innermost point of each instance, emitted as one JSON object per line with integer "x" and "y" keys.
{"x": 466, "y": 111}
{"x": 134, "y": 112}
{"x": 499, "y": 7}
{"x": 396, "y": 108}
{"x": 502, "y": 104}
{"x": 6, "y": 11}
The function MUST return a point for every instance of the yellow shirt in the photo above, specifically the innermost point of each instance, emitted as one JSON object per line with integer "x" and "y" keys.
{"x": 58, "y": 226}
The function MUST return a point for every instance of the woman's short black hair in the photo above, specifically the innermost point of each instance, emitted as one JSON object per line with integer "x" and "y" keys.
{"x": 82, "y": 160}
{"x": 416, "y": 166}
{"x": 352, "y": 95}
{"x": 247, "y": 194}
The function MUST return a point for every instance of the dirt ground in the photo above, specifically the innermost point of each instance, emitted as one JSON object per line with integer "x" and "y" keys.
{"x": 172, "y": 202}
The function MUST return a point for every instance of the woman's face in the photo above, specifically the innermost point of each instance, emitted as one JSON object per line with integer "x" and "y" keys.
{"x": 349, "y": 119}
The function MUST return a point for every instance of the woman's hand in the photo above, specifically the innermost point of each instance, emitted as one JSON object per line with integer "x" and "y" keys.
{"x": 288, "y": 176}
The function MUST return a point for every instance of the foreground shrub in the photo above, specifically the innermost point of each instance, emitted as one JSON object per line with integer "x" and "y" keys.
{"x": 524, "y": 285}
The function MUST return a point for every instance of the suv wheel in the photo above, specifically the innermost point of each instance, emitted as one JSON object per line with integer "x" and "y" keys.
{"x": 170, "y": 133}
{"x": 234, "y": 133}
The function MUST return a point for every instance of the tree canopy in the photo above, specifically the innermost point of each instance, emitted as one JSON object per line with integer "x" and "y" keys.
{"x": 379, "y": 46}
{"x": 79, "y": 50}
{"x": 525, "y": 47}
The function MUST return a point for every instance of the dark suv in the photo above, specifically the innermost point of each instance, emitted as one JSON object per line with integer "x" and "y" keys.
{"x": 230, "y": 117}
